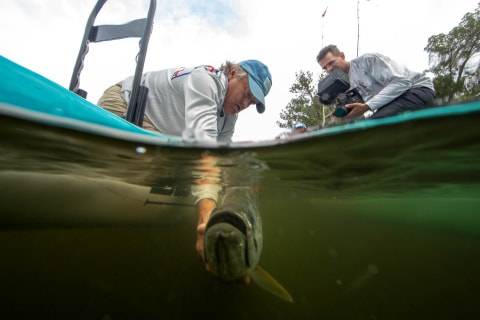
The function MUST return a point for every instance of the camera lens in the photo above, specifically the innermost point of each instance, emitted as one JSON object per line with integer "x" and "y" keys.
{"x": 340, "y": 112}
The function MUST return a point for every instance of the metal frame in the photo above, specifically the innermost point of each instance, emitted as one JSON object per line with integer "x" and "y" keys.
{"x": 141, "y": 28}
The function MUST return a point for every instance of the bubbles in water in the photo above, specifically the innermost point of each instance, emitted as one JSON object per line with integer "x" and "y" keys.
{"x": 141, "y": 150}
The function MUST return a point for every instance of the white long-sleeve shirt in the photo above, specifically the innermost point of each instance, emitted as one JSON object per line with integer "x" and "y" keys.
{"x": 187, "y": 102}
{"x": 380, "y": 80}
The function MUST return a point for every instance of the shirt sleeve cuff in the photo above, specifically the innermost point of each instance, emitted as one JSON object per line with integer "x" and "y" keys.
{"x": 206, "y": 191}
{"x": 372, "y": 105}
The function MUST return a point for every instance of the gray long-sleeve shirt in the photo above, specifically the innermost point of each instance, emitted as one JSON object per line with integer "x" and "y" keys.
{"x": 380, "y": 80}
{"x": 187, "y": 102}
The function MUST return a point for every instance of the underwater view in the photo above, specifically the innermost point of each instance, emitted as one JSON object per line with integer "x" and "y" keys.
{"x": 367, "y": 224}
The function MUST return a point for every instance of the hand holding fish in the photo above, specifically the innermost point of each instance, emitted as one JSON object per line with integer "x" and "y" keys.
{"x": 204, "y": 210}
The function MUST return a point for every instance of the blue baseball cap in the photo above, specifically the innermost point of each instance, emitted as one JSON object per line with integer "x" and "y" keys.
{"x": 259, "y": 81}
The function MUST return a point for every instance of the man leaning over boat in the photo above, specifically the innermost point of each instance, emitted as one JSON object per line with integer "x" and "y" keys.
{"x": 200, "y": 103}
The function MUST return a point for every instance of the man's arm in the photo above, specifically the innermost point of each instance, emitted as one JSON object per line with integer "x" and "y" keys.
{"x": 204, "y": 210}
{"x": 392, "y": 75}
{"x": 205, "y": 190}
{"x": 200, "y": 106}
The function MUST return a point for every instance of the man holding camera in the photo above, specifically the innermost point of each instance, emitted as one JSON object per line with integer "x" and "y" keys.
{"x": 386, "y": 87}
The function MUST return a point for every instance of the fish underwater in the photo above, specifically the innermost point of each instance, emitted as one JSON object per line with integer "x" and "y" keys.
{"x": 234, "y": 242}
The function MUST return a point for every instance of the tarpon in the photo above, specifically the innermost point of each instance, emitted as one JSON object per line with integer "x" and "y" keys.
{"x": 234, "y": 242}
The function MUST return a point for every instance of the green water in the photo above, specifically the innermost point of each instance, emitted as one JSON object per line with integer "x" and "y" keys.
{"x": 374, "y": 224}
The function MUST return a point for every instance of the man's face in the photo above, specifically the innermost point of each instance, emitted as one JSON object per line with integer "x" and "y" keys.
{"x": 238, "y": 95}
{"x": 331, "y": 62}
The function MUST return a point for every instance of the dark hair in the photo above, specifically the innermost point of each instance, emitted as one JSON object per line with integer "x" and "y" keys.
{"x": 330, "y": 48}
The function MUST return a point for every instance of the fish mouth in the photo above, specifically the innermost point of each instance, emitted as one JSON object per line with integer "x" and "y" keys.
{"x": 230, "y": 218}
{"x": 226, "y": 248}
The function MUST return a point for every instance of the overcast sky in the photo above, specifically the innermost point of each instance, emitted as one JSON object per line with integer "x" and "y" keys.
{"x": 286, "y": 35}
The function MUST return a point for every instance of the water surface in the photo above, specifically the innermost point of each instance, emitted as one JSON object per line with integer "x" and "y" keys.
{"x": 375, "y": 224}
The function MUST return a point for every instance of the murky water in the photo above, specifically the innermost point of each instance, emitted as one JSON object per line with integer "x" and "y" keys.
{"x": 378, "y": 224}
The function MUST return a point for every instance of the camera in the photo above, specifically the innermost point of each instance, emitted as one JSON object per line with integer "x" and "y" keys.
{"x": 334, "y": 89}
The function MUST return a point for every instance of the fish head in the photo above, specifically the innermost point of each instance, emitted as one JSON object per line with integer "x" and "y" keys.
{"x": 229, "y": 246}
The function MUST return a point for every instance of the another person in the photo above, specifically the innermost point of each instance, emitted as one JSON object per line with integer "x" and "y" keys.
{"x": 199, "y": 103}
{"x": 387, "y": 87}
{"x": 298, "y": 128}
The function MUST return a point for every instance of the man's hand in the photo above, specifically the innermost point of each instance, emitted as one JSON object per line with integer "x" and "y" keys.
{"x": 204, "y": 210}
{"x": 357, "y": 110}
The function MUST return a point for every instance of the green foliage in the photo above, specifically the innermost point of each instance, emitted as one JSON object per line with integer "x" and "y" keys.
{"x": 450, "y": 55}
{"x": 304, "y": 106}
